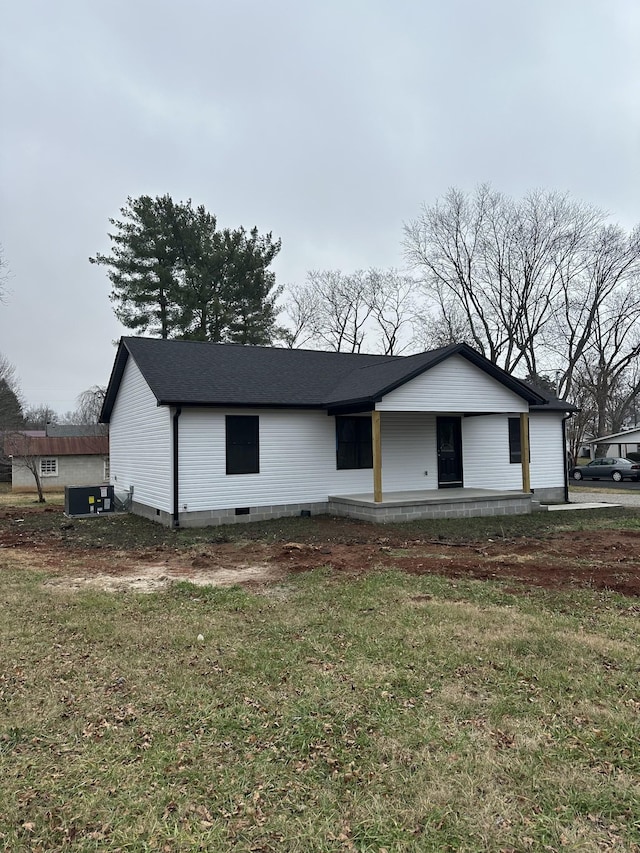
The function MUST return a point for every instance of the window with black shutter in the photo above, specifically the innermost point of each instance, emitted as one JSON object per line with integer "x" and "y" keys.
{"x": 242, "y": 441}
{"x": 515, "y": 448}
{"x": 353, "y": 443}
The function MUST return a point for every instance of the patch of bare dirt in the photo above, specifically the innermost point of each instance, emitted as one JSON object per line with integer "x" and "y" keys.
{"x": 154, "y": 578}
{"x": 595, "y": 559}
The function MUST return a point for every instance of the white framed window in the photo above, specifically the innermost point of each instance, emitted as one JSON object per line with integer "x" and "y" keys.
{"x": 48, "y": 467}
{"x": 107, "y": 470}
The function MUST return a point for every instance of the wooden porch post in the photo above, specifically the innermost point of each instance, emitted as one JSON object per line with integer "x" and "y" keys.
{"x": 377, "y": 456}
{"x": 524, "y": 449}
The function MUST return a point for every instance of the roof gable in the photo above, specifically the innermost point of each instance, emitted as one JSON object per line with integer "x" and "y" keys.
{"x": 454, "y": 379}
{"x": 194, "y": 373}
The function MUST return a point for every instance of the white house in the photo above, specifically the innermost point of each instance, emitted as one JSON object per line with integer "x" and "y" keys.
{"x": 619, "y": 443}
{"x": 213, "y": 433}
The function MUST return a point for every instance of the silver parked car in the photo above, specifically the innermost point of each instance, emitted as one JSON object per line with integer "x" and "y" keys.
{"x": 608, "y": 467}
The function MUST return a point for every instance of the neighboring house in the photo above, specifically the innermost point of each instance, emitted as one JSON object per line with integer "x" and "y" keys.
{"x": 619, "y": 443}
{"x": 60, "y": 462}
{"x": 213, "y": 433}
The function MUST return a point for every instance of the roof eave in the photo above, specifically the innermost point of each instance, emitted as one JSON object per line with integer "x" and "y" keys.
{"x": 113, "y": 385}
{"x": 226, "y": 404}
{"x": 616, "y": 437}
{"x": 351, "y": 407}
{"x": 559, "y": 406}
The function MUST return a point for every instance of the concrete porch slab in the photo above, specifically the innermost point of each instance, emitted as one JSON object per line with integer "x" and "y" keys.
{"x": 432, "y": 503}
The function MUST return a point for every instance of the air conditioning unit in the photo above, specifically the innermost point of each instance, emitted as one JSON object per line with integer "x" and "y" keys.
{"x": 86, "y": 501}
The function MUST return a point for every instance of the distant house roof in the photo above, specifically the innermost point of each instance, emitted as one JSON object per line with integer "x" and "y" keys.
{"x": 194, "y": 373}
{"x": 627, "y": 436}
{"x": 74, "y": 430}
{"x": 23, "y": 445}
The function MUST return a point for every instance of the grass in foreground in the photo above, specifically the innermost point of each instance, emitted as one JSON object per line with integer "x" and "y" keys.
{"x": 385, "y": 713}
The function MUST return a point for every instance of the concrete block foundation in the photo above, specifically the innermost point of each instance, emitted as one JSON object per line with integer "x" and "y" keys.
{"x": 396, "y": 507}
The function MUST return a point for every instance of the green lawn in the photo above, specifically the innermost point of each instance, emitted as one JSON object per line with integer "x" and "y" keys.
{"x": 384, "y": 713}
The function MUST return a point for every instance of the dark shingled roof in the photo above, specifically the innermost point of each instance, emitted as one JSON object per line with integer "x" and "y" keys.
{"x": 194, "y": 373}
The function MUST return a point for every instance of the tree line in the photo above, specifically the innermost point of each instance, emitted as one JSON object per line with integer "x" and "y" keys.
{"x": 16, "y": 415}
{"x": 545, "y": 286}
{"x": 17, "y": 420}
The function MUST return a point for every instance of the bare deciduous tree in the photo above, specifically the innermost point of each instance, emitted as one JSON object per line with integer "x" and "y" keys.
{"x": 344, "y": 305}
{"x": 394, "y": 310}
{"x": 3, "y": 276}
{"x": 496, "y": 261}
{"x": 610, "y": 365}
{"x": 89, "y": 405}
{"x": 370, "y": 310}
{"x": 597, "y": 304}
{"x": 332, "y": 310}
{"x": 37, "y": 417}
{"x": 580, "y": 425}
{"x": 540, "y": 284}
{"x": 441, "y": 323}
{"x": 301, "y": 311}
{"x": 21, "y": 450}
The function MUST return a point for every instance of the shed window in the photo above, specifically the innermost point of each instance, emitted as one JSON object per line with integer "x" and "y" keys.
{"x": 353, "y": 443}
{"x": 515, "y": 448}
{"x": 242, "y": 440}
{"x": 48, "y": 467}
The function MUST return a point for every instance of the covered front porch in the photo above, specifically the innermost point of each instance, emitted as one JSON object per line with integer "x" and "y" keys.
{"x": 452, "y": 442}
{"x": 432, "y": 503}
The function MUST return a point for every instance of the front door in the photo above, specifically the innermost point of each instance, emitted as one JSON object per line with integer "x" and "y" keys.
{"x": 449, "y": 438}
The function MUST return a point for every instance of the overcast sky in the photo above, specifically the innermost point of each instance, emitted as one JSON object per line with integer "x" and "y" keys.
{"x": 327, "y": 122}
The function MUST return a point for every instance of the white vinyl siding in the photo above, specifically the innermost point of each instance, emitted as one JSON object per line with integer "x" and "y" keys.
{"x": 486, "y": 452}
{"x": 454, "y": 385}
{"x": 140, "y": 442}
{"x": 409, "y": 457}
{"x": 485, "y": 447}
{"x": 547, "y": 451}
{"x": 297, "y": 461}
{"x": 298, "y": 457}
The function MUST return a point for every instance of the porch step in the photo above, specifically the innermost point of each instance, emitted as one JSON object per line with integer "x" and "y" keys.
{"x": 536, "y": 506}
